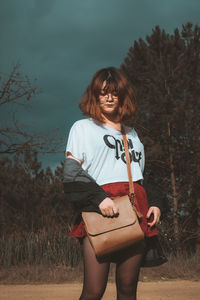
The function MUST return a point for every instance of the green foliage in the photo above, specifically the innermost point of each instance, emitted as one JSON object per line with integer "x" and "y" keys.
{"x": 34, "y": 215}
{"x": 165, "y": 72}
{"x": 30, "y": 197}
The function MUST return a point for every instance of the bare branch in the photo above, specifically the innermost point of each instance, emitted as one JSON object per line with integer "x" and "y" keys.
{"x": 17, "y": 89}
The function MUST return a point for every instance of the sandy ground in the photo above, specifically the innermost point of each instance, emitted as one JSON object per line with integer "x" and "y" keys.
{"x": 173, "y": 290}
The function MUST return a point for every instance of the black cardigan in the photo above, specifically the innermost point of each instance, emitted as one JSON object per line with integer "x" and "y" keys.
{"x": 84, "y": 193}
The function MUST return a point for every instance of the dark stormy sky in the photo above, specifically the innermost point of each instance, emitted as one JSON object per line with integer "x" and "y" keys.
{"x": 64, "y": 42}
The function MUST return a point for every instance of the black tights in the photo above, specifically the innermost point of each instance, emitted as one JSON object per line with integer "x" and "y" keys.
{"x": 96, "y": 275}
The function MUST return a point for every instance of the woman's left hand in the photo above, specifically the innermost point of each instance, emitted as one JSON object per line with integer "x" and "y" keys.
{"x": 156, "y": 215}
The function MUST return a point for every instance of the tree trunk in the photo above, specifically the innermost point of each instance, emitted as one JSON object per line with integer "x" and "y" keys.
{"x": 197, "y": 177}
{"x": 174, "y": 191}
{"x": 198, "y": 226}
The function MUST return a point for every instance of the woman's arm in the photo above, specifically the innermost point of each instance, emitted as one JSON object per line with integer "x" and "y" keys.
{"x": 82, "y": 190}
{"x": 154, "y": 199}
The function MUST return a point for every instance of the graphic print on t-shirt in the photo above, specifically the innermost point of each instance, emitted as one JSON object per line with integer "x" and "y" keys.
{"x": 101, "y": 151}
{"x": 118, "y": 145}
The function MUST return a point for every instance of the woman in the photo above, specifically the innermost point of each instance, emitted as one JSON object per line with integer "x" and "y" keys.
{"x": 95, "y": 171}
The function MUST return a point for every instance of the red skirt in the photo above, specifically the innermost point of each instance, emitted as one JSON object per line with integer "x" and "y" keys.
{"x": 141, "y": 203}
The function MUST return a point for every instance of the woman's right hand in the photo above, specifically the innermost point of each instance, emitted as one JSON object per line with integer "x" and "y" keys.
{"x": 108, "y": 208}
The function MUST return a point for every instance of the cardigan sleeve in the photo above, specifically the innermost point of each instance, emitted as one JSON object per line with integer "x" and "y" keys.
{"x": 154, "y": 194}
{"x": 80, "y": 188}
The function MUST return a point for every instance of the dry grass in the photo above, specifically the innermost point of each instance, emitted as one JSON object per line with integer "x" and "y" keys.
{"x": 24, "y": 274}
{"x": 54, "y": 257}
{"x": 181, "y": 267}
{"x": 53, "y": 247}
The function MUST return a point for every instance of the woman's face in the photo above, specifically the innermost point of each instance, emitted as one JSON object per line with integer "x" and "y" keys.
{"x": 109, "y": 102}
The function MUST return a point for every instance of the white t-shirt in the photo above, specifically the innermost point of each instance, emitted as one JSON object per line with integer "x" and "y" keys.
{"x": 101, "y": 150}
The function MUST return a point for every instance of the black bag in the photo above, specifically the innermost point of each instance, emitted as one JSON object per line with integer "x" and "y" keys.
{"x": 154, "y": 255}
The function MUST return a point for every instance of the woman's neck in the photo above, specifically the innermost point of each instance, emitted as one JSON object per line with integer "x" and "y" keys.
{"x": 112, "y": 122}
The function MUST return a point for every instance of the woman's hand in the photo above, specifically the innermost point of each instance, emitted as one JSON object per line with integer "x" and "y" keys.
{"x": 108, "y": 208}
{"x": 156, "y": 215}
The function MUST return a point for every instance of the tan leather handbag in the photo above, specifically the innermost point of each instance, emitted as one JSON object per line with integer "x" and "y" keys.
{"x": 109, "y": 234}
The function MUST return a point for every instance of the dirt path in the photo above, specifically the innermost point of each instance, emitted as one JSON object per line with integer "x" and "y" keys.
{"x": 173, "y": 290}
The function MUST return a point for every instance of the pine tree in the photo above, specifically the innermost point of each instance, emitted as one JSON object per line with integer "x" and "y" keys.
{"x": 165, "y": 72}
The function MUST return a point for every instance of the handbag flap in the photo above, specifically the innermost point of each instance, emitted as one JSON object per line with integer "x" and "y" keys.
{"x": 97, "y": 224}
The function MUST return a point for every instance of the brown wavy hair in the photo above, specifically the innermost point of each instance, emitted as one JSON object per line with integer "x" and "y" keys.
{"x": 117, "y": 82}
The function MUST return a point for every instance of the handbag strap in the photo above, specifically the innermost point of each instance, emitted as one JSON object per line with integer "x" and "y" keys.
{"x": 128, "y": 164}
{"x": 131, "y": 186}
